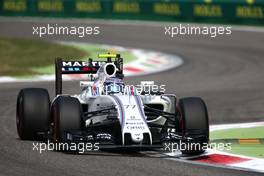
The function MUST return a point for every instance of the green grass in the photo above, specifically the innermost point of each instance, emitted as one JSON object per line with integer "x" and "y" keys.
{"x": 238, "y": 133}
{"x": 25, "y": 58}
{"x": 95, "y": 49}
{"x": 18, "y": 56}
{"x": 253, "y": 150}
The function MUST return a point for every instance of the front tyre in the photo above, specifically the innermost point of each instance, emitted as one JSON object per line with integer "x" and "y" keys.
{"x": 67, "y": 116}
{"x": 195, "y": 125}
{"x": 32, "y": 113}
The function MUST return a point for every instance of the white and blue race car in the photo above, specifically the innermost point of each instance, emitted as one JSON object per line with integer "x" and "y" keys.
{"x": 109, "y": 112}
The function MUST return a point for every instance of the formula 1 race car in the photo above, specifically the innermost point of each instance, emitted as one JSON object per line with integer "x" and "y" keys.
{"x": 109, "y": 112}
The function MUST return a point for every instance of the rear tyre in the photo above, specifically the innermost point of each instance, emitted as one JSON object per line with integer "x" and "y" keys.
{"x": 195, "y": 125}
{"x": 67, "y": 116}
{"x": 32, "y": 113}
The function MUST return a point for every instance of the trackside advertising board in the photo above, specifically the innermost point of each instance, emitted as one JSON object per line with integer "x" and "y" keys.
{"x": 216, "y": 11}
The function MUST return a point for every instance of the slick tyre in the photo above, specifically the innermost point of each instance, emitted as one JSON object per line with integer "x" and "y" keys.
{"x": 195, "y": 125}
{"x": 67, "y": 116}
{"x": 32, "y": 113}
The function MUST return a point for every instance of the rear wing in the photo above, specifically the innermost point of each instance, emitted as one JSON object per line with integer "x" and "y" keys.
{"x": 85, "y": 67}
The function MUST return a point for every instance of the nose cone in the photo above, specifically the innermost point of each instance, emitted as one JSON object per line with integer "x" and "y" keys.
{"x": 137, "y": 137}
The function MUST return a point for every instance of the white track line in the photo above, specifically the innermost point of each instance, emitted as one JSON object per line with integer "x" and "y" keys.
{"x": 235, "y": 125}
{"x": 252, "y": 164}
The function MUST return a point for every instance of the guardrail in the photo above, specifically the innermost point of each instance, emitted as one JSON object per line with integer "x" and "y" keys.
{"x": 216, "y": 11}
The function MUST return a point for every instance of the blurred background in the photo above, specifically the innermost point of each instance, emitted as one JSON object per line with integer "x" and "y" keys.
{"x": 243, "y": 12}
{"x": 214, "y": 11}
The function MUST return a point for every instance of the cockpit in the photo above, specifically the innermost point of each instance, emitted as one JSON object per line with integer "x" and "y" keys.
{"x": 113, "y": 85}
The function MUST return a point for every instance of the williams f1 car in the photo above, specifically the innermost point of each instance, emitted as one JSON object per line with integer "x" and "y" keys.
{"x": 109, "y": 112}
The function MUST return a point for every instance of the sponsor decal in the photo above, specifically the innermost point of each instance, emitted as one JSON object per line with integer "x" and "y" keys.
{"x": 81, "y": 64}
{"x": 135, "y": 127}
{"x": 134, "y": 123}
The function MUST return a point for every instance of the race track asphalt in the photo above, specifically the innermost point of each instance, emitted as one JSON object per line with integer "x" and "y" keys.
{"x": 227, "y": 72}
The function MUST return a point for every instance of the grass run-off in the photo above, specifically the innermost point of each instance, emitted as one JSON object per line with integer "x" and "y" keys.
{"x": 24, "y": 58}
{"x": 247, "y": 149}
